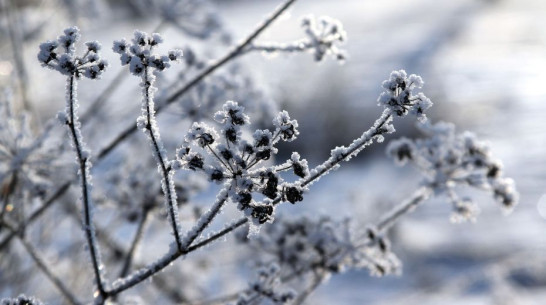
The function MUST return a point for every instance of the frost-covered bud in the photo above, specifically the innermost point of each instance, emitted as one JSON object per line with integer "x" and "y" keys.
{"x": 246, "y": 148}
{"x": 231, "y": 133}
{"x": 175, "y": 55}
{"x": 215, "y": 174}
{"x": 234, "y": 114}
{"x": 136, "y": 66}
{"x": 262, "y": 213}
{"x": 70, "y": 37}
{"x": 270, "y": 189}
{"x": 243, "y": 198}
{"x": 93, "y": 46}
{"x": 262, "y": 138}
{"x": 120, "y": 46}
{"x": 202, "y": 134}
{"x": 494, "y": 169}
{"x": 156, "y": 39}
{"x": 293, "y": 193}
{"x": 225, "y": 152}
{"x": 194, "y": 161}
{"x": 464, "y": 210}
{"x": 401, "y": 150}
{"x": 301, "y": 168}
{"x": 263, "y": 153}
{"x": 287, "y": 127}
{"x": 505, "y": 192}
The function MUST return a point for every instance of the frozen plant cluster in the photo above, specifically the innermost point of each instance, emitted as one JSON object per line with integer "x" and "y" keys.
{"x": 60, "y": 55}
{"x": 230, "y": 159}
{"x": 323, "y": 36}
{"x": 449, "y": 161}
{"x": 398, "y": 95}
{"x": 223, "y": 148}
{"x": 325, "y": 246}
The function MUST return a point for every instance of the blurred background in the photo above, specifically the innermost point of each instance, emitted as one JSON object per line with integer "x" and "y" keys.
{"x": 483, "y": 63}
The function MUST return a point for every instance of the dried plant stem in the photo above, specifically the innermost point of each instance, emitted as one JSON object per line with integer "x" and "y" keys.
{"x": 84, "y": 168}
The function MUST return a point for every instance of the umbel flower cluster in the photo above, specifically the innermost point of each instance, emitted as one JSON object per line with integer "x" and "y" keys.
{"x": 323, "y": 36}
{"x": 325, "y": 246}
{"x": 398, "y": 95}
{"x": 449, "y": 160}
{"x": 226, "y": 157}
{"x": 60, "y": 55}
{"x": 138, "y": 54}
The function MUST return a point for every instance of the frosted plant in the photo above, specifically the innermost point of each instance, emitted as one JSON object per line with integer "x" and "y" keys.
{"x": 240, "y": 161}
{"x": 233, "y": 160}
{"x": 323, "y": 35}
{"x": 304, "y": 245}
{"x": 138, "y": 54}
{"x": 60, "y": 55}
{"x": 448, "y": 161}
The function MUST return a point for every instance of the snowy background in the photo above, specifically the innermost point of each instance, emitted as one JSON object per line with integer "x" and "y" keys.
{"x": 483, "y": 63}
